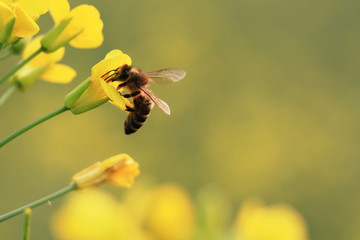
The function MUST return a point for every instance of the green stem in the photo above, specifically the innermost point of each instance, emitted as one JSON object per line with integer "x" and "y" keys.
{"x": 5, "y": 56}
{"x": 20, "y": 65}
{"x": 27, "y": 224}
{"x": 39, "y": 202}
{"x": 8, "y": 93}
{"x": 33, "y": 124}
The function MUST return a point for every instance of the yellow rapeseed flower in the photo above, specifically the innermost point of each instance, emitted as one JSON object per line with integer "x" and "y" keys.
{"x": 81, "y": 27}
{"x": 95, "y": 91}
{"x": 43, "y": 66}
{"x": 164, "y": 212}
{"x": 90, "y": 215}
{"x": 256, "y": 221}
{"x": 119, "y": 170}
{"x": 170, "y": 214}
{"x": 25, "y": 13}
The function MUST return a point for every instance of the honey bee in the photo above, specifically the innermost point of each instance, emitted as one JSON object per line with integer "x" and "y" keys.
{"x": 135, "y": 81}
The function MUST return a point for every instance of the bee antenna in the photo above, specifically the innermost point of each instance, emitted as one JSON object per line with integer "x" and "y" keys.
{"x": 107, "y": 78}
{"x": 113, "y": 70}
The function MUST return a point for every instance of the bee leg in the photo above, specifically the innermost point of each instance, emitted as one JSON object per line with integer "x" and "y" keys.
{"x": 135, "y": 93}
{"x": 121, "y": 85}
{"x": 129, "y": 109}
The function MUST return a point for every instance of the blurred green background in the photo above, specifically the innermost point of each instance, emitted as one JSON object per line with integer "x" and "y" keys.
{"x": 269, "y": 108}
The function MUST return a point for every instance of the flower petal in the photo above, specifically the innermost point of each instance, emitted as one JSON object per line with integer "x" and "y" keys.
{"x": 5, "y": 15}
{"x": 86, "y": 18}
{"x": 108, "y": 64}
{"x": 59, "y": 10}
{"x": 122, "y": 170}
{"x": 35, "y": 7}
{"x": 124, "y": 175}
{"x": 59, "y": 73}
{"x": 113, "y": 53}
{"x": 25, "y": 26}
{"x": 114, "y": 95}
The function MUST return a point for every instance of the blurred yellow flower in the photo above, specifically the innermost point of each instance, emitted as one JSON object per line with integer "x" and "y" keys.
{"x": 88, "y": 215}
{"x": 278, "y": 222}
{"x": 163, "y": 213}
{"x": 95, "y": 91}
{"x": 170, "y": 215}
{"x": 119, "y": 170}
{"x": 83, "y": 28}
{"x": 26, "y": 12}
{"x": 43, "y": 66}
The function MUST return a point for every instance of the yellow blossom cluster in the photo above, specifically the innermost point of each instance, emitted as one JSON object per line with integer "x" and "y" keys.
{"x": 81, "y": 27}
{"x": 18, "y": 20}
{"x": 166, "y": 212}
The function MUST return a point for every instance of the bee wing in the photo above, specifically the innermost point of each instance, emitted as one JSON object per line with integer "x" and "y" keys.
{"x": 166, "y": 76}
{"x": 158, "y": 102}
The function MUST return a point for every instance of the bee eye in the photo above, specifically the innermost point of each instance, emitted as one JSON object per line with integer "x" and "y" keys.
{"x": 124, "y": 74}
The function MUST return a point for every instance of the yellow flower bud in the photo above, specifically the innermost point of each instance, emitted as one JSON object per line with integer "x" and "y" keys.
{"x": 27, "y": 211}
{"x": 119, "y": 170}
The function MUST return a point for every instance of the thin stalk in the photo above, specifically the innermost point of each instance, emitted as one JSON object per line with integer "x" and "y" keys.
{"x": 20, "y": 65}
{"x": 8, "y": 93}
{"x": 39, "y": 202}
{"x": 27, "y": 224}
{"x": 33, "y": 124}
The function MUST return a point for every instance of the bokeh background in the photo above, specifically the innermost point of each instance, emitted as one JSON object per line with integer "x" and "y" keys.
{"x": 269, "y": 108}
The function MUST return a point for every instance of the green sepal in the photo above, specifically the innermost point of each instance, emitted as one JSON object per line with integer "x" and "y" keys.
{"x": 18, "y": 46}
{"x": 51, "y": 42}
{"x": 82, "y": 109}
{"x": 76, "y": 93}
{"x": 7, "y": 31}
{"x": 26, "y": 81}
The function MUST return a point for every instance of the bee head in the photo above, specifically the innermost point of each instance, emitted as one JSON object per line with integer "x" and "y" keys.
{"x": 124, "y": 72}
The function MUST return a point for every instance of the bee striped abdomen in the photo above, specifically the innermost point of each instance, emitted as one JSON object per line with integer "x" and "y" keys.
{"x": 137, "y": 118}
